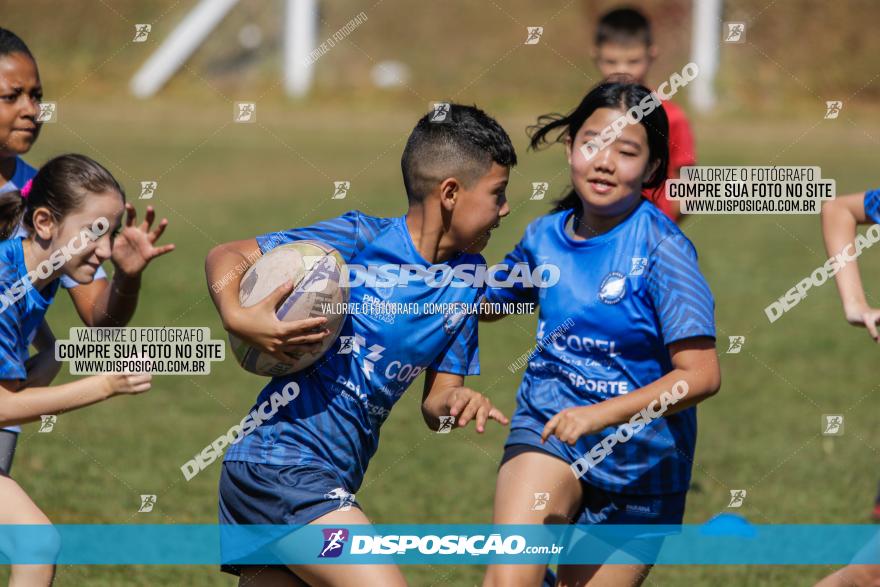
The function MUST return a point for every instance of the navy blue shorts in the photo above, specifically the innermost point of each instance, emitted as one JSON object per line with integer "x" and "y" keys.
{"x": 254, "y": 493}
{"x": 8, "y": 440}
{"x": 600, "y": 506}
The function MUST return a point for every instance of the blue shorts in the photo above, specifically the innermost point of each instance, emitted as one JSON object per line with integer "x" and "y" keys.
{"x": 254, "y": 493}
{"x": 604, "y": 507}
{"x": 8, "y": 440}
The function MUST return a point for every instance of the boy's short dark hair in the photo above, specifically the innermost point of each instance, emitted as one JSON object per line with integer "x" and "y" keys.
{"x": 460, "y": 142}
{"x": 624, "y": 26}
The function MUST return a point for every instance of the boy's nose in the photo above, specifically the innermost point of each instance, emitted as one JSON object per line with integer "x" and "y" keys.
{"x": 624, "y": 75}
{"x": 505, "y": 210}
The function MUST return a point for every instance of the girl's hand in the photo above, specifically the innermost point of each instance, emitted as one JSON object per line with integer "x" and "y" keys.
{"x": 465, "y": 404}
{"x": 865, "y": 317}
{"x": 128, "y": 383}
{"x": 260, "y": 327}
{"x": 572, "y": 423}
{"x": 133, "y": 247}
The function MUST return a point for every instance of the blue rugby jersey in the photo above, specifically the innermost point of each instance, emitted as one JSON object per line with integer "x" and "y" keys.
{"x": 21, "y": 311}
{"x": 346, "y": 396}
{"x": 872, "y": 205}
{"x": 622, "y": 297}
{"x": 23, "y": 173}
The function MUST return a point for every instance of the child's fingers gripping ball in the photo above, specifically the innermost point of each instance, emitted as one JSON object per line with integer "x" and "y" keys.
{"x": 315, "y": 270}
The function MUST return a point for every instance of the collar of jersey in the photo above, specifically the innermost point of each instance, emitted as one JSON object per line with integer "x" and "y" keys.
{"x": 33, "y": 293}
{"x": 599, "y": 239}
{"x": 452, "y": 261}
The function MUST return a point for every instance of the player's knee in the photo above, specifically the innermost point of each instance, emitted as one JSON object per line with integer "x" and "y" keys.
{"x": 32, "y": 576}
{"x": 39, "y": 545}
{"x": 513, "y": 576}
{"x": 51, "y": 546}
{"x": 35, "y": 541}
{"x": 860, "y": 575}
{"x": 873, "y": 576}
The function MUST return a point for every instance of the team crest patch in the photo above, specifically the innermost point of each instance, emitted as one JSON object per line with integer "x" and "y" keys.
{"x": 452, "y": 320}
{"x": 613, "y": 288}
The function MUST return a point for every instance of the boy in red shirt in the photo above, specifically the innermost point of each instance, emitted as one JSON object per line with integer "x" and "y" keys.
{"x": 624, "y": 47}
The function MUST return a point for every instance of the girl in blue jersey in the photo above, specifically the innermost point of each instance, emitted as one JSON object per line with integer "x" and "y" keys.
{"x": 71, "y": 211}
{"x": 840, "y": 220}
{"x": 101, "y": 302}
{"x": 625, "y": 345}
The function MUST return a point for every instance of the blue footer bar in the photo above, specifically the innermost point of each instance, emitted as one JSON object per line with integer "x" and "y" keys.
{"x": 726, "y": 540}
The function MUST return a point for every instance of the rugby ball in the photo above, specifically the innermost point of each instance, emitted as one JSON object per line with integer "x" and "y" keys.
{"x": 316, "y": 271}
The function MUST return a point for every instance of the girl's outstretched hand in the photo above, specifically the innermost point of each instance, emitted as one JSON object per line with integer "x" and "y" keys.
{"x": 135, "y": 245}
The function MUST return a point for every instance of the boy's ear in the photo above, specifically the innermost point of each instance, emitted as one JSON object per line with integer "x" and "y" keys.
{"x": 449, "y": 189}
{"x": 567, "y": 142}
{"x": 44, "y": 223}
{"x": 653, "y": 51}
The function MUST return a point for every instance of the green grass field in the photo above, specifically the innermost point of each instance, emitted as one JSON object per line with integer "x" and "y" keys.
{"x": 220, "y": 181}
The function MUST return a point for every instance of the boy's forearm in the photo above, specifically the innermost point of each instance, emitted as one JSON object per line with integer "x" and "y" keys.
{"x": 224, "y": 267}
{"x": 434, "y": 406}
{"x": 435, "y": 403}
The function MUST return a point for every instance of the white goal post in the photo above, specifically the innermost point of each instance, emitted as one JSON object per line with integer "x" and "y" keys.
{"x": 300, "y": 35}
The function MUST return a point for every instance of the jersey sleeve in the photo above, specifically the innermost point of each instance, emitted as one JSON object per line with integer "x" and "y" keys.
{"x": 69, "y": 283}
{"x": 872, "y": 205}
{"x": 343, "y": 233}
{"x": 516, "y": 292}
{"x": 461, "y": 356}
{"x": 681, "y": 297}
{"x": 11, "y": 365}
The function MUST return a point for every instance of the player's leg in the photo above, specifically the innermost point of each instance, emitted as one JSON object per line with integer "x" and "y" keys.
{"x": 255, "y": 576}
{"x": 519, "y": 479}
{"x": 628, "y": 560}
{"x": 17, "y": 508}
{"x": 602, "y": 575}
{"x": 8, "y": 440}
{"x": 344, "y": 575}
{"x": 858, "y": 574}
{"x": 853, "y": 576}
